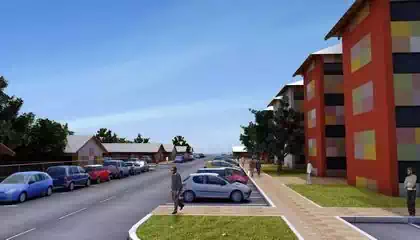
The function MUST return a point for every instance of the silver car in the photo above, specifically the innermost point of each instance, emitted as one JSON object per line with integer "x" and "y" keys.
{"x": 211, "y": 185}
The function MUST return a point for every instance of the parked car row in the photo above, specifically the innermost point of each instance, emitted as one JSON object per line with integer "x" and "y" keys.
{"x": 21, "y": 186}
{"x": 228, "y": 182}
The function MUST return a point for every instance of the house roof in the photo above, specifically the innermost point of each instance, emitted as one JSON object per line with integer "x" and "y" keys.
{"x": 239, "y": 149}
{"x": 269, "y": 108}
{"x": 181, "y": 149}
{"x": 76, "y": 142}
{"x": 283, "y": 89}
{"x": 168, "y": 147}
{"x": 337, "y": 30}
{"x": 332, "y": 50}
{"x": 4, "y": 150}
{"x": 133, "y": 147}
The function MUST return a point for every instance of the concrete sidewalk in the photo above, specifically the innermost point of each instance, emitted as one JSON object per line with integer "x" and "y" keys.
{"x": 311, "y": 221}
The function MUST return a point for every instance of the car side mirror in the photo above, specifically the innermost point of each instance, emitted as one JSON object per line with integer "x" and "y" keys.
{"x": 31, "y": 182}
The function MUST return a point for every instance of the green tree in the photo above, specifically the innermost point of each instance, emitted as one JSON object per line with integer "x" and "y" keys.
{"x": 141, "y": 139}
{"x": 180, "y": 141}
{"x": 107, "y": 136}
{"x": 248, "y": 137}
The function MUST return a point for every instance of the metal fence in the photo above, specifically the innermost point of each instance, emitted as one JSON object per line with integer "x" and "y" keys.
{"x": 6, "y": 170}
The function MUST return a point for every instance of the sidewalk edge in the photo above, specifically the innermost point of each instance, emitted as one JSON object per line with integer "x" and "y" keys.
{"x": 307, "y": 199}
{"x": 259, "y": 189}
{"x": 132, "y": 233}
{"x": 294, "y": 230}
{"x": 356, "y": 228}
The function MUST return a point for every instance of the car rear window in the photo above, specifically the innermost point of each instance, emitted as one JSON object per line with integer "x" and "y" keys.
{"x": 110, "y": 164}
{"x": 56, "y": 171}
{"x": 129, "y": 164}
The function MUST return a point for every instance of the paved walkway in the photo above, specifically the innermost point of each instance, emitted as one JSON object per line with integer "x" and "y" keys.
{"x": 310, "y": 220}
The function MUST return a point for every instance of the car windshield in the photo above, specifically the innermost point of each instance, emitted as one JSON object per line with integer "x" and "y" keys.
{"x": 129, "y": 164}
{"x": 56, "y": 171}
{"x": 110, "y": 164}
{"x": 16, "y": 179}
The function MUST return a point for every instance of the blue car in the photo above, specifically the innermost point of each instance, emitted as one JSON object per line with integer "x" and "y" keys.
{"x": 69, "y": 177}
{"x": 179, "y": 159}
{"x": 18, "y": 187}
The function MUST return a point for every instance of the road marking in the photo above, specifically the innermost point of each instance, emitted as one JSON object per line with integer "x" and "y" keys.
{"x": 414, "y": 225}
{"x": 356, "y": 228}
{"x": 256, "y": 197}
{"x": 302, "y": 196}
{"x": 9, "y": 206}
{"x": 20, "y": 234}
{"x": 292, "y": 228}
{"x": 70, "y": 214}
{"x": 108, "y": 199}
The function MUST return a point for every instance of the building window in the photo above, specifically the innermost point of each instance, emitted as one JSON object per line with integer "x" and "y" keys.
{"x": 334, "y": 115}
{"x": 361, "y": 53}
{"x": 310, "y": 90}
{"x": 405, "y": 37}
{"x": 365, "y": 145}
{"x": 408, "y": 144}
{"x": 363, "y": 98}
{"x": 312, "y": 118}
{"x": 335, "y": 131}
{"x": 407, "y": 89}
{"x": 312, "y": 147}
{"x": 335, "y": 147}
{"x": 407, "y": 116}
{"x": 333, "y": 84}
{"x": 406, "y": 62}
{"x": 405, "y": 10}
{"x": 333, "y": 68}
{"x": 334, "y": 99}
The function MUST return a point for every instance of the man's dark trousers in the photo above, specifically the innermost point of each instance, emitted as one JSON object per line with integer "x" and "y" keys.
{"x": 411, "y": 202}
{"x": 177, "y": 201}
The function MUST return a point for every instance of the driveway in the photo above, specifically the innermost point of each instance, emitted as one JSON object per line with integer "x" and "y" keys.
{"x": 104, "y": 211}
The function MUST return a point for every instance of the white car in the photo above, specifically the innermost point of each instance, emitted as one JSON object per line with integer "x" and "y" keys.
{"x": 212, "y": 185}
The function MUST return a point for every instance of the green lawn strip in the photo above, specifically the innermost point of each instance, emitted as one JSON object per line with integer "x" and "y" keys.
{"x": 341, "y": 195}
{"x": 214, "y": 227}
{"x": 271, "y": 169}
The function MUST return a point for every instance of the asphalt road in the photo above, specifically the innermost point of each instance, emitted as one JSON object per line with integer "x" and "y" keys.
{"x": 104, "y": 211}
{"x": 390, "y": 231}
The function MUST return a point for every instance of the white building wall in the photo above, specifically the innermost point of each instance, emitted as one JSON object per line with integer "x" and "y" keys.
{"x": 90, "y": 151}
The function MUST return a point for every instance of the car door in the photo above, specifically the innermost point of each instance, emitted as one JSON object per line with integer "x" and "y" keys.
{"x": 199, "y": 186}
{"x": 74, "y": 171}
{"x": 34, "y": 188}
{"x": 83, "y": 175}
{"x": 216, "y": 187}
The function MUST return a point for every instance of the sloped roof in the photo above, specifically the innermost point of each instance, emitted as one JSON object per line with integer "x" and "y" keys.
{"x": 5, "y": 150}
{"x": 168, "y": 147}
{"x": 269, "y": 108}
{"x": 181, "y": 149}
{"x": 76, "y": 142}
{"x": 332, "y": 50}
{"x": 239, "y": 149}
{"x": 283, "y": 89}
{"x": 132, "y": 147}
{"x": 336, "y": 31}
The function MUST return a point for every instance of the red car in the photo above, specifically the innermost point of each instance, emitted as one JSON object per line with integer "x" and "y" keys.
{"x": 231, "y": 174}
{"x": 98, "y": 173}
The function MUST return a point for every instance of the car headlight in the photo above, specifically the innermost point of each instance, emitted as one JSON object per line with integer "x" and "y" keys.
{"x": 10, "y": 191}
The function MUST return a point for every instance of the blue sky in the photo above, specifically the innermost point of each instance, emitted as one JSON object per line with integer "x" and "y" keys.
{"x": 156, "y": 67}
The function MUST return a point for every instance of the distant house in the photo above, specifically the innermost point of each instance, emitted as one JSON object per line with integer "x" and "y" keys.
{"x": 181, "y": 149}
{"x": 240, "y": 151}
{"x": 170, "y": 151}
{"x": 5, "y": 151}
{"x": 125, "y": 151}
{"x": 84, "y": 148}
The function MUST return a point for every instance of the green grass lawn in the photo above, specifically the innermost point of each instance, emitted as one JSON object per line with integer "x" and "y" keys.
{"x": 271, "y": 169}
{"x": 347, "y": 196}
{"x": 214, "y": 228}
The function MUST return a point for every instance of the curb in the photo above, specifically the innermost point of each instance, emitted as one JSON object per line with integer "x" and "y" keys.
{"x": 292, "y": 228}
{"x": 132, "y": 233}
{"x": 356, "y": 228}
{"x": 307, "y": 199}
{"x": 259, "y": 189}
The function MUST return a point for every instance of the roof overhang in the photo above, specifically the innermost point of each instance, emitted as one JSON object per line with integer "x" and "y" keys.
{"x": 4, "y": 150}
{"x": 337, "y": 30}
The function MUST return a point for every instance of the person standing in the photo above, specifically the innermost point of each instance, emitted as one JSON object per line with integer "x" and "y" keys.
{"x": 176, "y": 188}
{"x": 308, "y": 173}
{"x": 252, "y": 166}
{"x": 410, "y": 185}
{"x": 258, "y": 167}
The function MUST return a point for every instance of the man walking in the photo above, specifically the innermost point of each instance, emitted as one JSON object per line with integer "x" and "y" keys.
{"x": 410, "y": 184}
{"x": 308, "y": 172}
{"x": 176, "y": 188}
{"x": 258, "y": 167}
{"x": 252, "y": 167}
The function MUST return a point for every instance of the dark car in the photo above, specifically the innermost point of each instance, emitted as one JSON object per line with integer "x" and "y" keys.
{"x": 202, "y": 155}
{"x": 147, "y": 159}
{"x": 69, "y": 177}
{"x": 179, "y": 159}
{"x": 231, "y": 161}
{"x": 219, "y": 158}
{"x": 221, "y": 163}
{"x": 117, "y": 168}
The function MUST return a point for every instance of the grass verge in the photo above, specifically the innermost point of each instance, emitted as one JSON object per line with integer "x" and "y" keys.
{"x": 214, "y": 228}
{"x": 340, "y": 195}
{"x": 271, "y": 169}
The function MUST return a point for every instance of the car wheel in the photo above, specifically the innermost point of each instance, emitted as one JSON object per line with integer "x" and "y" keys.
{"x": 22, "y": 197}
{"x": 236, "y": 196}
{"x": 109, "y": 178}
{"x": 71, "y": 186}
{"x": 121, "y": 175}
{"x": 49, "y": 191}
{"x": 98, "y": 180}
{"x": 189, "y": 196}
{"x": 88, "y": 182}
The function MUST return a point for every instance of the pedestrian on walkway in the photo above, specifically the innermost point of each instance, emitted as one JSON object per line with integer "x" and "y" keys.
{"x": 258, "y": 167}
{"x": 410, "y": 185}
{"x": 308, "y": 173}
{"x": 252, "y": 166}
{"x": 176, "y": 190}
